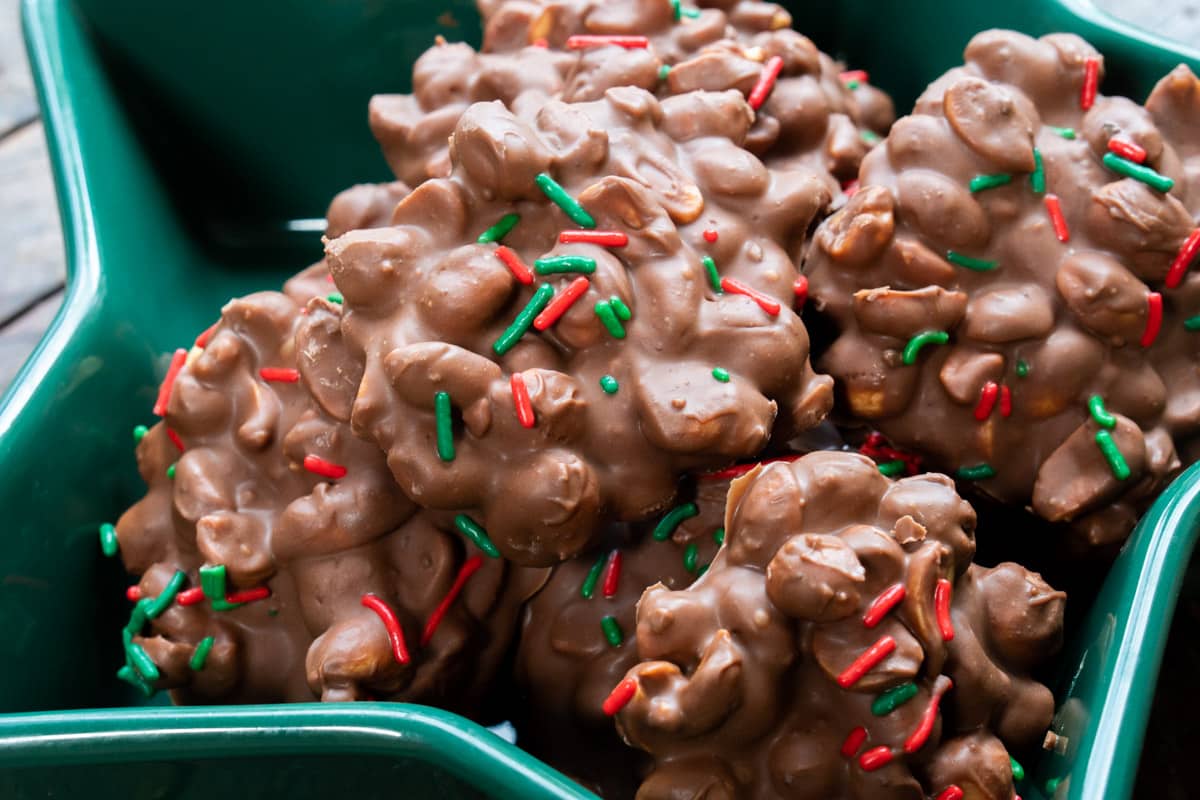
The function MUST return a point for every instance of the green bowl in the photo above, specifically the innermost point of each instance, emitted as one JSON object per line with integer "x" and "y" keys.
{"x": 195, "y": 146}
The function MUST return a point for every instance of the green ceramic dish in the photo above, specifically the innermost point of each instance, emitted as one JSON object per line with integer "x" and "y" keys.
{"x": 194, "y": 145}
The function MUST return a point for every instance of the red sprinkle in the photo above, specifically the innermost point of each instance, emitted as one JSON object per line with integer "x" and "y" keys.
{"x": 1091, "y": 82}
{"x": 710, "y": 235}
{"x": 468, "y": 569}
{"x": 206, "y": 334}
{"x": 542, "y": 43}
{"x": 766, "y": 82}
{"x": 1005, "y": 401}
{"x": 875, "y": 446}
{"x": 521, "y": 401}
{"x": 941, "y": 605}
{"x": 854, "y": 740}
{"x": 1131, "y": 150}
{"x": 850, "y": 188}
{"x": 515, "y": 265}
{"x": 875, "y": 758}
{"x": 1054, "y": 209}
{"x": 1183, "y": 259}
{"x": 859, "y": 75}
{"x": 325, "y": 469}
{"x": 329, "y": 277}
{"x": 559, "y": 305}
{"x": 734, "y": 286}
{"x": 190, "y": 597}
{"x": 866, "y": 661}
{"x": 279, "y": 374}
{"x": 175, "y": 440}
{"x": 881, "y": 605}
{"x": 928, "y": 717}
{"x": 612, "y": 573}
{"x": 164, "y": 391}
{"x": 800, "y": 287}
{"x": 1154, "y": 314}
{"x": 248, "y": 595}
{"x": 602, "y": 238}
{"x": 951, "y": 792}
{"x": 134, "y": 593}
{"x": 394, "y": 631}
{"x": 581, "y": 41}
{"x": 619, "y": 697}
{"x": 729, "y": 473}
{"x": 987, "y": 400}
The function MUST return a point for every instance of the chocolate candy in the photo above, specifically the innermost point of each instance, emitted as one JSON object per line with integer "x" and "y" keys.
{"x": 807, "y": 114}
{"x": 569, "y": 375}
{"x": 841, "y": 645}
{"x": 1004, "y": 289}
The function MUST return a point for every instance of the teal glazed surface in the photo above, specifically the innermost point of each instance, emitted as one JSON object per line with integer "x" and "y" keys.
{"x": 194, "y": 147}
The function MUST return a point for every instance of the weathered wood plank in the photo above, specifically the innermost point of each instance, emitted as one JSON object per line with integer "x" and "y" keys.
{"x": 18, "y": 339}
{"x": 31, "y": 251}
{"x": 1173, "y": 19}
{"x": 17, "y": 103}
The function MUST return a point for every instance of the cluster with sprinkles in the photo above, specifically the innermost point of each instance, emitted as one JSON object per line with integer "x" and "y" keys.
{"x": 1021, "y": 251}
{"x": 841, "y": 645}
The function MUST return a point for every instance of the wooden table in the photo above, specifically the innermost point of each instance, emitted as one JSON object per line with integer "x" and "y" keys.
{"x": 31, "y": 254}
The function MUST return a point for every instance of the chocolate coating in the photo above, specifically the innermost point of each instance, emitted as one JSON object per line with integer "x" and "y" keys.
{"x": 745, "y": 686}
{"x": 427, "y": 307}
{"x": 810, "y": 120}
{"x": 1047, "y": 324}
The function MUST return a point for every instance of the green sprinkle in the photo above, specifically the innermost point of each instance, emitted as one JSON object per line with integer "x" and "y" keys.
{"x": 130, "y": 676}
{"x": 981, "y": 182}
{"x": 891, "y": 469}
{"x": 714, "y": 277}
{"x": 721, "y": 374}
{"x": 137, "y": 617}
{"x": 1123, "y": 166}
{"x": 212, "y": 583}
{"x": 893, "y": 698}
{"x": 171, "y": 471}
{"x": 521, "y": 324}
{"x": 1100, "y": 413}
{"x": 475, "y": 532}
{"x": 852, "y": 85}
{"x": 1037, "y": 179}
{"x": 570, "y": 206}
{"x": 622, "y": 310}
{"x": 108, "y": 540}
{"x": 609, "y": 384}
{"x": 719, "y": 536}
{"x": 977, "y": 264}
{"x": 334, "y": 297}
{"x": 589, "y": 583}
{"x": 500, "y": 229}
{"x": 870, "y": 137}
{"x": 1192, "y": 323}
{"x": 272, "y": 612}
{"x": 139, "y": 433}
{"x": 1017, "y": 770}
{"x": 676, "y": 9}
{"x": 663, "y": 72}
{"x": 612, "y": 631}
{"x": 1066, "y": 133}
{"x": 1052, "y": 785}
{"x": 201, "y": 653}
{"x": 159, "y": 604}
{"x": 913, "y": 348}
{"x": 608, "y": 317}
{"x": 690, "y": 554}
{"x": 445, "y": 426}
{"x": 1116, "y": 461}
{"x": 555, "y": 265}
{"x": 978, "y": 472}
{"x": 1022, "y": 368}
{"x": 667, "y": 525}
{"x": 691, "y": 13}
{"x": 702, "y": 570}
{"x": 142, "y": 661}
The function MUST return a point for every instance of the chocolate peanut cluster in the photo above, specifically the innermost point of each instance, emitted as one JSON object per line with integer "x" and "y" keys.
{"x": 841, "y": 645}
{"x": 595, "y": 302}
{"x": 1011, "y": 283}
{"x": 808, "y": 112}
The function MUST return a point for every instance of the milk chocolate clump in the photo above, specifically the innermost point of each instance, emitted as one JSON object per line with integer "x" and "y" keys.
{"x": 1004, "y": 283}
{"x": 282, "y": 536}
{"x": 558, "y": 381}
{"x": 841, "y": 645}
{"x": 811, "y": 116}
